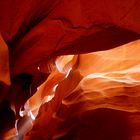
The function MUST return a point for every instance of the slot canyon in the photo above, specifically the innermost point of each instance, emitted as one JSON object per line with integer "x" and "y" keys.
{"x": 69, "y": 70}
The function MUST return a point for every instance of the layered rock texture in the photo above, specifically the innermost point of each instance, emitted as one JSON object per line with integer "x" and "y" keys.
{"x": 69, "y": 70}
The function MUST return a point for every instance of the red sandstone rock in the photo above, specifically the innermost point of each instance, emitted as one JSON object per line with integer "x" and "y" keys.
{"x": 78, "y": 96}
{"x": 105, "y": 93}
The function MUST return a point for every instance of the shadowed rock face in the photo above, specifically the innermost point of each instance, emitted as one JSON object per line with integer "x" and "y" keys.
{"x": 69, "y": 70}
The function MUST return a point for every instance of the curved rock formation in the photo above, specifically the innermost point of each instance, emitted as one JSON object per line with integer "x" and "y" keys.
{"x": 69, "y": 70}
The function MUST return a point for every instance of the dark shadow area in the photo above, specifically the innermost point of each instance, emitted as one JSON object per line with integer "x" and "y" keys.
{"x": 100, "y": 124}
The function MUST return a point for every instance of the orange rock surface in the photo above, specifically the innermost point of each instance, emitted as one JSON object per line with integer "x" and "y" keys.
{"x": 99, "y": 98}
{"x": 69, "y": 70}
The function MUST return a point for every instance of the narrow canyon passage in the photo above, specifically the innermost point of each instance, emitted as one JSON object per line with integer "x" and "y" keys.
{"x": 69, "y": 70}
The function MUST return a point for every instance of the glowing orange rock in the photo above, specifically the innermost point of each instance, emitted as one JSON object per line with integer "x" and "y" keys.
{"x": 104, "y": 93}
{"x": 80, "y": 90}
{"x": 50, "y": 28}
